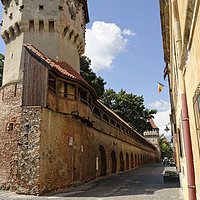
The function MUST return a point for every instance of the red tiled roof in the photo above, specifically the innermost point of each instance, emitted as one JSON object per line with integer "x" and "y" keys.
{"x": 165, "y": 139}
{"x": 152, "y": 123}
{"x": 62, "y": 67}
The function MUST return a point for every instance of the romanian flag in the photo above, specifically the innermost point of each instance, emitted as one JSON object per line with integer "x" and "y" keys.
{"x": 160, "y": 87}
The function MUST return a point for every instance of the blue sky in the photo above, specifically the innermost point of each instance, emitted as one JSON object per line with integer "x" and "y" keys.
{"x": 128, "y": 49}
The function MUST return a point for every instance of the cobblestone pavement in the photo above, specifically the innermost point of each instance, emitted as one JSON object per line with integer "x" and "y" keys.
{"x": 144, "y": 183}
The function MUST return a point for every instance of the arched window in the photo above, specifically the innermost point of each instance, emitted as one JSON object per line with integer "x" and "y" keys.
{"x": 112, "y": 122}
{"x": 118, "y": 126}
{"x": 105, "y": 117}
{"x": 97, "y": 112}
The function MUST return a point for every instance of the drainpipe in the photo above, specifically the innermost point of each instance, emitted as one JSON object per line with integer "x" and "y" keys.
{"x": 186, "y": 127}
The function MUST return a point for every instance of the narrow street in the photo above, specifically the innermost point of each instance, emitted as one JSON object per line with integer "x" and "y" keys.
{"x": 143, "y": 183}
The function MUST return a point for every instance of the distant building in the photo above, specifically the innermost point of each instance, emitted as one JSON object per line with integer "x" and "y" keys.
{"x": 153, "y": 137}
{"x": 165, "y": 139}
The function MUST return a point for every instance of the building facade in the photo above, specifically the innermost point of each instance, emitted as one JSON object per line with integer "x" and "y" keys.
{"x": 180, "y": 21}
{"x": 54, "y": 132}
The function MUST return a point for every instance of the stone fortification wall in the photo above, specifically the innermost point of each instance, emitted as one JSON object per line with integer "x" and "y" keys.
{"x": 10, "y": 122}
{"x": 19, "y": 142}
{"x": 43, "y": 150}
{"x": 73, "y": 152}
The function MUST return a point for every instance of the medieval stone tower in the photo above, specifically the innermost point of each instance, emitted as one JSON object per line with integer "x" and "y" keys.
{"x": 56, "y": 27}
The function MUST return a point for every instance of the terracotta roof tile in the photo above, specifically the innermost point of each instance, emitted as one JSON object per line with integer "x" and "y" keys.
{"x": 165, "y": 139}
{"x": 152, "y": 123}
{"x": 62, "y": 67}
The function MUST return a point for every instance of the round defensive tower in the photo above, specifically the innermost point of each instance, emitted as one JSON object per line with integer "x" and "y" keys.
{"x": 55, "y": 27}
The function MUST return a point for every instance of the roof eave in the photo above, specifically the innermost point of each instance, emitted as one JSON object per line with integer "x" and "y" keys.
{"x": 164, "y": 16}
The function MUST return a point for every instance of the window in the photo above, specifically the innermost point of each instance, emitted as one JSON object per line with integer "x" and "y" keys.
{"x": 51, "y": 26}
{"x": 31, "y": 25}
{"x": 97, "y": 112}
{"x": 52, "y": 84}
{"x": 60, "y": 88}
{"x": 196, "y": 105}
{"x": 180, "y": 143}
{"x": 41, "y": 26}
{"x": 70, "y": 91}
{"x": 83, "y": 95}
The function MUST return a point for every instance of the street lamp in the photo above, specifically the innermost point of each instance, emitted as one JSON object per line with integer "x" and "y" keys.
{"x": 167, "y": 128}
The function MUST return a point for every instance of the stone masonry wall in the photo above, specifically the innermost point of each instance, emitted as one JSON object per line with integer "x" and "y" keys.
{"x": 28, "y": 151}
{"x": 10, "y": 120}
{"x": 19, "y": 142}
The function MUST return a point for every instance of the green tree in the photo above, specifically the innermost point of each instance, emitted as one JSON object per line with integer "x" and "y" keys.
{"x": 129, "y": 107}
{"x": 1, "y": 67}
{"x": 86, "y": 72}
{"x": 166, "y": 150}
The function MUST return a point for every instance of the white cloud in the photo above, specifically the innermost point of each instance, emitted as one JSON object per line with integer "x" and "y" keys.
{"x": 162, "y": 119}
{"x": 160, "y": 105}
{"x": 104, "y": 41}
{"x": 128, "y": 32}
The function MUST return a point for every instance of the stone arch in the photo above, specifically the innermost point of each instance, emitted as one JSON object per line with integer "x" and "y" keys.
{"x": 132, "y": 161}
{"x": 136, "y": 160}
{"x": 121, "y": 157}
{"x": 113, "y": 161}
{"x": 127, "y": 161}
{"x": 102, "y": 160}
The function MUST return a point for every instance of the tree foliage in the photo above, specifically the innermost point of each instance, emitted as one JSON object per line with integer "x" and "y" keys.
{"x": 129, "y": 107}
{"x": 86, "y": 72}
{"x": 1, "y": 67}
{"x": 166, "y": 150}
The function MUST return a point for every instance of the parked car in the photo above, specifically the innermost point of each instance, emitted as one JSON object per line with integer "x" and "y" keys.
{"x": 171, "y": 162}
{"x": 165, "y": 161}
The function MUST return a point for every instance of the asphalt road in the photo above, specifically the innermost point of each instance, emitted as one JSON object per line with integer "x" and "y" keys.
{"x": 144, "y": 183}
